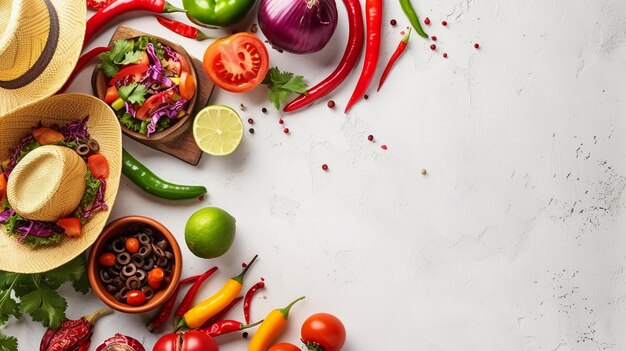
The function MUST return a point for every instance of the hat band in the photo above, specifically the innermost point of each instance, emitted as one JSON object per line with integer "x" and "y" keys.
{"x": 44, "y": 59}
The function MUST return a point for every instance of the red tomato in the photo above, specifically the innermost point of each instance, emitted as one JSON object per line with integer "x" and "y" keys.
{"x": 191, "y": 341}
{"x": 111, "y": 95}
{"x": 138, "y": 69}
{"x": 153, "y": 102}
{"x": 71, "y": 226}
{"x": 187, "y": 85}
{"x": 184, "y": 65}
{"x": 155, "y": 277}
{"x": 98, "y": 165}
{"x": 98, "y": 4}
{"x": 284, "y": 346}
{"x": 173, "y": 67}
{"x": 135, "y": 297}
{"x": 325, "y": 330}
{"x": 47, "y": 136}
{"x": 3, "y": 187}
{"x": 132, "y": 245}
{"x": 237, "y": 63}
{"x": 107, "y": 259}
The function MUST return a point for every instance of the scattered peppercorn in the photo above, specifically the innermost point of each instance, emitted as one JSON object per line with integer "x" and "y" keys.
{"x": 476, "y": 46}
{"x": 245, "y": 335}
{"x": 384, "y": 147}
{"x": 242, "y": 107}
{"x": 330, "y": 104}
{"x": 433, "y": 38}
{"x": 444, "y": 23}
{"x": 366, "y": 97}
{"x": 286, "y": 130}
{"x": 427, "y": 21}
{"x": 370, "y": 137}
{"x": 280, "y": 121}
{"x": 325, "y": 167}
{"x": 393, "y": 22}
{"x": 264, "y": 110}
{"x": 254, "y": 28}
{"x": 250, "y": 120}
{"x": 423, "y": 171}
{"x": 445, "y": 55}
{"x": 433, "y": 47}
{"x": 251, "y": 130}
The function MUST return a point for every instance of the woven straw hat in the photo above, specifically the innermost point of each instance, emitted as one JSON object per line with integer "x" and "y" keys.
{"x": 40, "y": 42}
{"x": 55, "y": 172}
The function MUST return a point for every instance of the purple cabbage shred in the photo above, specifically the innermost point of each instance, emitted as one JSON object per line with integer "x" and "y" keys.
{"x": 170, "y": 111}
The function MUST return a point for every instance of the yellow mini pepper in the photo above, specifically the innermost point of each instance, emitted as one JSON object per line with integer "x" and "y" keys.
{"x": 271, "y": 327}
{"x": 199, "y": 314}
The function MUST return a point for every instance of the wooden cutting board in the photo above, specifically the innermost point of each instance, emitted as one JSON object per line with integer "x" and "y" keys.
{"x": 180, "y": 143}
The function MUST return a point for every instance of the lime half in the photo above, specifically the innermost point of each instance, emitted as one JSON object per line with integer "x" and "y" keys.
{"x": 218, "y": 130}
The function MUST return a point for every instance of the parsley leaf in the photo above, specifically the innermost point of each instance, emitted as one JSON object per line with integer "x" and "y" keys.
{"x": 8, "y": 343}
{"x": 45, "y": 306}
{"x": 121, "y": 53}
{"x": 8, "y": 307}
{"x": 133, "y": 93}
{"x": 131, "y": 57}
{"x": 281, "y": 84}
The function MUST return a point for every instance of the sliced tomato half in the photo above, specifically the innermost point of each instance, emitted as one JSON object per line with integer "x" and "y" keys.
{"x": 237, "y": 63}
{"x": 153, "y": 102}
{"x": 70, "y": 225}
{"x": 187, "y": 85}
{"x": 132, "y": 70}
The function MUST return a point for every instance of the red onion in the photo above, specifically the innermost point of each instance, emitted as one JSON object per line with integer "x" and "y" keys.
{"x": 120, "y": 342}
{"x": 298, "y": 26}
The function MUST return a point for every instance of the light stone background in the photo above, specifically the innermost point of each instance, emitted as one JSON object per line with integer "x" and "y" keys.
{"x": 514, "y": 239}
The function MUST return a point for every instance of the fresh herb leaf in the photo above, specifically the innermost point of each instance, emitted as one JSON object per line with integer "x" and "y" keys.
{"x": 282, "y": 84}
{"x": 130, "y": 57}
{"x": 93, "y": 184}
{"x": 143, "y": 41}
{"x": 8, "y": 306}
{"x": 37, "y": 241}
{"x": 133, "y": 93}
{"x": 45, "y": 306}
{"x": 116, "y": 56}
{"x": 8, "y": 343}
{"x": 129, "y": 122}
{"x": 81, "y": 284}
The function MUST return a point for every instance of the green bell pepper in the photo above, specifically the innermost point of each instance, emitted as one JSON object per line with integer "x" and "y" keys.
{"x": 217, "y": 13}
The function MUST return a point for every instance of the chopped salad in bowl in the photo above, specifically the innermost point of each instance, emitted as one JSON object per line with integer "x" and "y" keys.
{"x": 150, "y": 86}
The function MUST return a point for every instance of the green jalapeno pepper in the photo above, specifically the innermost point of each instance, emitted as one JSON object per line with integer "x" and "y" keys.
{"x": 217, "y": 13}
{"x": 152, "y": 184}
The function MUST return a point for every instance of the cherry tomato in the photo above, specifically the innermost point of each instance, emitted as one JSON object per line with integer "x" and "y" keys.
{"x": 325, "y": 330}
{"x": 3, "y": 187}
{"x": 107, "y": 259}
{"x": 173, "y": 66}
{"x": 187, "y": 85}
{"x": 155, "y": 277}
{"x": 135, "y": 297}
{"x": 131, "y": 70}
{"x": 47, "y": 136}
{"x": 191, "y": 341}
{"x": 98, "y": 165}
{"x": 184, "y": 65}
{"x": 153, "y": 102}
{"x": 237, "y": 63}
{"x": 284, "y": 346}
{"x": 71, "y": 226}
{"x": 132, "y": 245}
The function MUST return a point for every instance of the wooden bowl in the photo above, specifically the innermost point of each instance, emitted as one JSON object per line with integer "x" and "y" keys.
{"x": 99, "y": 86}
{"x": 115, "y": 229}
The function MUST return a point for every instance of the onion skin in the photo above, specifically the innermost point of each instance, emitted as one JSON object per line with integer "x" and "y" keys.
{"x": 298, "y": 26}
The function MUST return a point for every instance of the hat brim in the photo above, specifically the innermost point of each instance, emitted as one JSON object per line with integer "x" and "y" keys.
{"x": 105, "y": 129}
{"x": 72, "y": 20}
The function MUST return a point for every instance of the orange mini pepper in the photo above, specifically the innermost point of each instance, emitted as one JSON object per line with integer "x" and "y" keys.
{"x": 272, "y": 325}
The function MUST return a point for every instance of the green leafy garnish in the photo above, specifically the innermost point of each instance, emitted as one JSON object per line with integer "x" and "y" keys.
{"x": 143, "y": 41}
{"x": 133, "y": 93}
{"x": 122, "y": 53}
{"x": 281, "y": 84}
{"x": 36, "y": 295}
{"x": 8, "y": 343}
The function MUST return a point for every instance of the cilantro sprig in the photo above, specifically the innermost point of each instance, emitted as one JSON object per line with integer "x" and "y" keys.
{"x": 281, "y": 84}
{"x": 133, "y": 93}
{"x": 8, "y": 343}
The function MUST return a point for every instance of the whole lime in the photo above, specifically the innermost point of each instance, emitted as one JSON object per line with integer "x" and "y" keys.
{"x": 210, "y": 232}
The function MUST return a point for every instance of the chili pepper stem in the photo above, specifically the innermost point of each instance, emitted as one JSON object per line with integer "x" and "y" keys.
{"x": 251, "y": 325}
{"x": 92, "y": 318}
{"x": 285, "y": 310}
{"x": 203, "y": 36}
{"x": 239, "y": 278}
{"x": 169, "y": 8}
{"x": 407, "y": 36}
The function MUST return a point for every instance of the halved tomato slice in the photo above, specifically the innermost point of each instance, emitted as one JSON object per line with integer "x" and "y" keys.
{"x": 152, "y": 103}
{"x": 184, "y": 65}
{"x": 138, "y": 70}
{"x": 187, "y": 85}
{"x": 237, "y": 63}
{"x": 71, "y": 226}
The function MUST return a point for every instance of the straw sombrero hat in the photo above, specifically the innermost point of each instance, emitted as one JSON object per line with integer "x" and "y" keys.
{"x": 40, "y": 42}
{"x": 48, "y": 182}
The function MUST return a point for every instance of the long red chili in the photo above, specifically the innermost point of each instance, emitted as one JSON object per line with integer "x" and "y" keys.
{"x": 185, "y": 305}
{"x": 120, "y": 7}
{"x": 373, "y": 16}
{"x": 399, "y": 50}
{"x": 349, "y": 59}
{"x": 248, "y": 299}
{"x": 227, "y": 326}
{"x": 82, "y": 61}
{"x": 218, "y": 317}
{"x": 182, "y": 28}
{"x": 166, "y": 309}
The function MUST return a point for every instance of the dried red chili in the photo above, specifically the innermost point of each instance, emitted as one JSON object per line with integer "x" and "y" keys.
{"x": 183, "y": 29}
{"x": 72, "y": 334}
{"x": 166, "y": 309}
{"x": 185, "y": 305}
{"x": 227, "y": 326}
{"x": 248, "y": 299}
{"x": 394, "y": 58}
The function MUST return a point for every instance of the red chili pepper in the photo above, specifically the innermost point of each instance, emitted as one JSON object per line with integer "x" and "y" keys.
{"x": 246, "y": 302}
{"x": 349, "y": 59}
{"x": 374, "y": 14}
{"x": 82, "y": 61}
{"x": 166, "y": 309}
{"x": 120, "y": 7}
{"x": 72, "y": 334}
{"x": 222, "y": 313}
{"x": 227, "y": 326}
{"x": 185, "y": 305}
{"x": 183, "y": 29}
{"x": 394, "y": 58}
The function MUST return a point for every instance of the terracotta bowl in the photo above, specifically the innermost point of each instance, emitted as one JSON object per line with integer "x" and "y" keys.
{"x": 99, "y": 86}
{"x": 115, "y": 229}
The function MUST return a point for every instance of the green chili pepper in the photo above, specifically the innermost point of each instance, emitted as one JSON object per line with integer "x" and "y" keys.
{"x": 217, "y": 13}
{"x": 415, "y": 21}
{"x": 152, "y": 184}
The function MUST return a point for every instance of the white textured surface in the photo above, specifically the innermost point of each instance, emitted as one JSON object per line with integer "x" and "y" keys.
{"x": 513, "y": 241}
